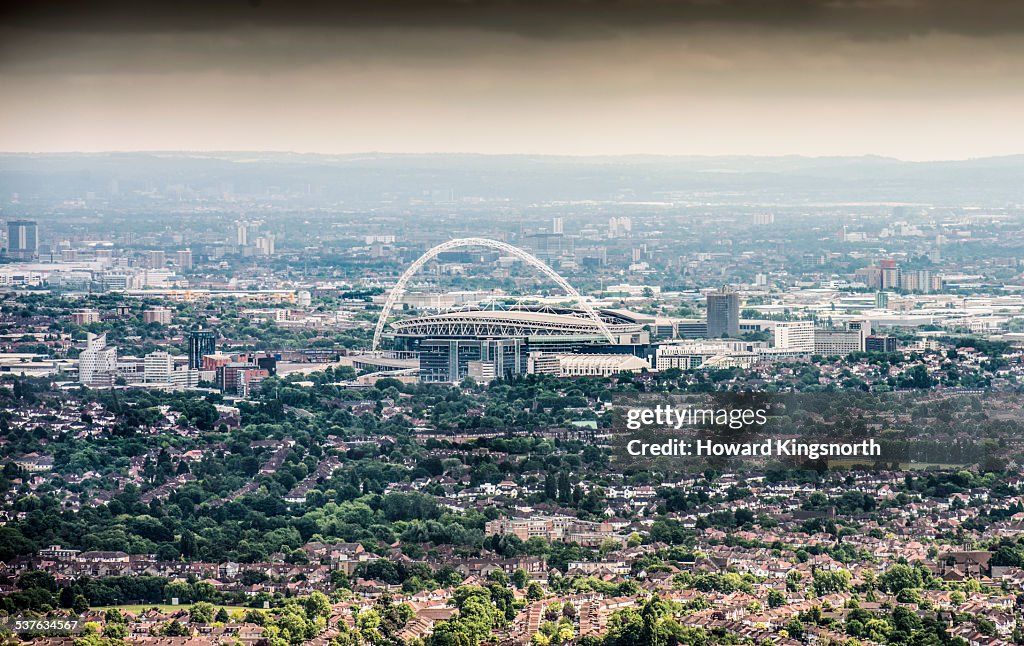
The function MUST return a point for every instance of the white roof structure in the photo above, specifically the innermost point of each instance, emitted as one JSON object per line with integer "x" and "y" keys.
{"x": 604, "y": 365}
{"x": 399, "y": 289}
{"x": 511, "y": 323}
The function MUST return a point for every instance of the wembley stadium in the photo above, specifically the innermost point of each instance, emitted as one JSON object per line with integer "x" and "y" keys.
{"x": 491, "y": 343}
{"x": 502, "y": 342}
{"x": 517, "y": 322}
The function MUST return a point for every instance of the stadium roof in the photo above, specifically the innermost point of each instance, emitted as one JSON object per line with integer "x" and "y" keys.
{"x": 511, "y": 323}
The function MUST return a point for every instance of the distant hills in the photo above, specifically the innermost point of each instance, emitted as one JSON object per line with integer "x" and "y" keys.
{"x": 376, "y": 177}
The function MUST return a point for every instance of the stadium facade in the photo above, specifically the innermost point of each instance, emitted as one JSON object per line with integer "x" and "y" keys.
{"x": 493, "y": 343}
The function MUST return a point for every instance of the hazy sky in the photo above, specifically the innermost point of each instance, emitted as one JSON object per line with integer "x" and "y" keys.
{"x": 915, "y": 79}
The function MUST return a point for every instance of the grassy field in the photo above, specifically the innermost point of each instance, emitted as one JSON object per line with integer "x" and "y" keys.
{"x": 142, "y": 607}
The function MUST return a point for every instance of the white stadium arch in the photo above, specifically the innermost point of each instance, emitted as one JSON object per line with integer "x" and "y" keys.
{"x": 399, "y": 289}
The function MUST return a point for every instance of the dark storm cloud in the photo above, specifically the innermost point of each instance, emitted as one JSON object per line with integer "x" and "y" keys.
{"x": 161, "y": 36}
{"x": 535, "y": 18}
{"x": 919, "y": 79}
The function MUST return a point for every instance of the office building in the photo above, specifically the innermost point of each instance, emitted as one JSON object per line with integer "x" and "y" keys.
{"x": 723, "y": 313}
{"x": 619, "y": 227}
{"x": 266, "y": 244}
{"x": 240, "y": 377}
{"x": 158, "y": 367}
{"x": 161, "y": 315}
{"x": 880, "y": 343}
{"x": 200, "y": 343}
{"x": 184, "y": 259}
{"x": 794, "y": 335}
{"x": 241, "y": 233}
{"x": 691, "y": 328}
{"x": 836, "y": 342}
{"x": 890, "y": 275}
{"x": 247, "y": 232}
{"x": 249, "y": 381}
{"x": 549, "y": 247}
{"x": 97, "y": 364}
{"x": 448, "y": 360}
{"x": 542, "y": 363}
{"x": 870, "y": 276}
{"x": 599, "y": 365}
{"x": 114, "y": 281}
{"x": 155, "y": 259}
{"x": 213, "y": 361}
{"x": 23, "y": 239}
{"x": 863, "y": 327}
{"x": 482, "y": 372}
{"x": 920, "y": 280}
{"x": 85, "y": 317}
{"x": 184, "y": 378}
{"x": 695, "y": 354}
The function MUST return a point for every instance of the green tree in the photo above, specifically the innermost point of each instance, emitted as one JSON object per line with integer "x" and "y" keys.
{"x": 80, "y": 605}
{"x": 317, "y": 605}
{"x": 175, "y": 628}
{"x": 520, "y": 579}
{"x": 201, "y": 613}
{"x": 116, "y": 631}
{"x": 829, "y": 581}
{"x": 899, "y": 577}
{"x": 534, "y": 592}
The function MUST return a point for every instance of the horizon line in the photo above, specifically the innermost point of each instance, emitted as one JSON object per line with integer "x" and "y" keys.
{"x": 501, "y": 154}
